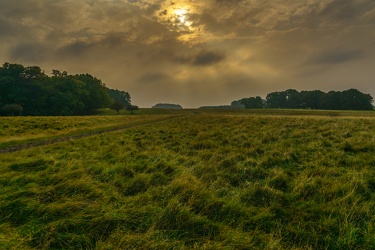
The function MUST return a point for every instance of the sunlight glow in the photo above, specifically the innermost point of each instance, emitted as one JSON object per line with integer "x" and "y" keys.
{"x": 179, "y": 16}
{"x": 180, "y": 12}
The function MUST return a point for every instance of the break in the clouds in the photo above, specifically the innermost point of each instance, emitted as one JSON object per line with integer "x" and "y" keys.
{"x": 194, "y": 52}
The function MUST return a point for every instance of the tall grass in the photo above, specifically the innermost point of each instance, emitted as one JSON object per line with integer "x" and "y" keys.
{"x": 21, "y": 130}
{"x": 208, "y": 181}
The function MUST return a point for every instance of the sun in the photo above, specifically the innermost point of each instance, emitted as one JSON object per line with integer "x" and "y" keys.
{"x": 180, "y": 17}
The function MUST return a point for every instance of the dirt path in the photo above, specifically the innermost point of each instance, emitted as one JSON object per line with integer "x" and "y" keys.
{"x": 44, "y": 142}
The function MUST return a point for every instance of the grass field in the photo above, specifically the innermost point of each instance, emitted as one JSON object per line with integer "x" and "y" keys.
{"x": 276, "y": 179}
{"x": 19, "y": 130}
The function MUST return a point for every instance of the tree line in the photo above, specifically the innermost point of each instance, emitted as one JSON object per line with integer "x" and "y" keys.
{"x": 351, "y": 99}
{"x": 29, "y": 91}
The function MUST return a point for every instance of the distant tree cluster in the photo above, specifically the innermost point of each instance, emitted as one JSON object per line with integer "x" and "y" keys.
{"x": 29, "y": 91}
{"x": 250, "y": 103}
{"x": 351, "y": 99}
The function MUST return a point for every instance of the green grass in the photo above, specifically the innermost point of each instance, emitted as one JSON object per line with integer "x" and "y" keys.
{"x": 244, "y": 180}
{"x": 19, "y": 130}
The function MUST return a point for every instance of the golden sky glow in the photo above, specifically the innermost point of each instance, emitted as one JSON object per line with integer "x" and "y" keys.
{"x": 178, "y": 17}
{"x": 197, "y": 52}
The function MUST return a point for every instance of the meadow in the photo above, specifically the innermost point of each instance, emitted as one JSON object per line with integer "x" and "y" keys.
{"x": 263, "y": 179}
{"x": 21, "y": 130}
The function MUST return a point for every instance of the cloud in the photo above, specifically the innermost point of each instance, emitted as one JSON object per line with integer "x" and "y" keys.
{"x": 30, "y": 52}
{"x": 205, "y": 58}
{"x": 77, "y": 48}
{"x": 234, "y": 47}
{"x": 7, "y": 28}
{"x": 153, "y": 77}
{"x": 348, "y": 11}
{"x": 200, "y": 58}
{"x": 336, "y": 57}
{"x": 229, "y": 2}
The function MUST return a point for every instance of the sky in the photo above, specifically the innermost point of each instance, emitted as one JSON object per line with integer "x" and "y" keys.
{"x": 197, "y": 53}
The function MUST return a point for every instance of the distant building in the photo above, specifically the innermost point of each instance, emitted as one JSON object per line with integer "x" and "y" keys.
{"x": 167, "y": 106}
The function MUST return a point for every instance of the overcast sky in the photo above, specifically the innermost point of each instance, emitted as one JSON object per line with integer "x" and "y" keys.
{"x": 196, "y": 53}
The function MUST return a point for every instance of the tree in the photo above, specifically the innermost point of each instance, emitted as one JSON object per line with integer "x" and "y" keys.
{"x": 97, "y": 94}
{"x": 21, "y": 85}
{"x": 58, "y": 73}
{"x": 331, "y": 101}
{"x": 34, "y": 73}
{"x": 353, "y": 99}
{"x": 117, "y": 106}
{"x": 58, "y": 94}
{"x": 251, "y": 102}
{"x": 312, "y": 99}
{"x": 119, "y": 96}
{"x": 132, "y": 108}
{"x": 293, "y": 99}
{"x": 66, "y": 96}
{"x": 276, "y": 100}
{"x": 15, "y": 71}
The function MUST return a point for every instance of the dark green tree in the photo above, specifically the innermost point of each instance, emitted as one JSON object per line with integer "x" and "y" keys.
{"x": 292, "y": 99}
{"x": 117, "y": 106}
{"x": 66, "y": 96}
{"x": 132, "y": 108}
{"x": 21, "y": 85}
{"x": 59, "y": 94}
{"x": 276, "y": 100}
{"x": 352, "y": 99}
{"x": 120, "y": 96}
{"x": 97, "y": 94}
{"x": 312, "y": 99}
{"x": 331, "y": 101}
{"x": 251, "y": 102}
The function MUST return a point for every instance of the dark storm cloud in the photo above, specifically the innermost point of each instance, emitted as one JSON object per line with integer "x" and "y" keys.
{"x": 348, "y": 10}
{"x": 77, "y": 48}
{"x": 201, "y": 58}
{"x": 208, "y": 58}
{"x": 113, "y": 39}
{"x": 335, "y": 57}
{"x": 30, "y": 52}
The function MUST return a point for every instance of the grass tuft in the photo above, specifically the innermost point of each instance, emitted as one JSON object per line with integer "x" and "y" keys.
{"x": 35, "y": 165}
